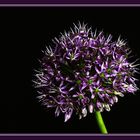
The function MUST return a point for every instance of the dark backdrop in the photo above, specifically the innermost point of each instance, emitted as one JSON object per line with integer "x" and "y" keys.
{"x": 24, "y": 33}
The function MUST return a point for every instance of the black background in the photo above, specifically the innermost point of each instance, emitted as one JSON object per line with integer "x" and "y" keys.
{"x": 24, "y": 33}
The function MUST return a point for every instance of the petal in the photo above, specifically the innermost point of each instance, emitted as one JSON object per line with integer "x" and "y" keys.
{"x": 102, "y": 67}
{"x": 90, "y": 89}
{"x": 84, "y": 112}
{"x": 57, "y": 111}
{"x": 92, "y": 96}
{"x": 80, "y": 116}
{"x": 107, "y": 107}
{"x": 111, "y": 101}
{"x": 90, "y": 108}
{"x": 97, "y": 70}
{"x": 118, "y": 93}
{"x": 68, "y": 114}
{"x": 83, "y": 86}
{"x": 101, "y": 96}
{"x": 72, "y": 88}
{"x": 98, "y": 83}
{"x": 99, "y": 106}
{"x": 115, "y": 98}
{"x": 131, "y": 88}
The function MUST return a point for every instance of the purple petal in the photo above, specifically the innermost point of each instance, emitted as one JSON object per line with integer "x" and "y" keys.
{"x": 68, "y": 114}
{"x": 57, "y": 111}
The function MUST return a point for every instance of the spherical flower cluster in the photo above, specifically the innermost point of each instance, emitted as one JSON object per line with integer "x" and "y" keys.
{"x": 84, "y": 71}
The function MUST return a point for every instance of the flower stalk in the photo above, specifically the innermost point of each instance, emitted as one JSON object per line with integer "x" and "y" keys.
{"x": 100, "y": 122}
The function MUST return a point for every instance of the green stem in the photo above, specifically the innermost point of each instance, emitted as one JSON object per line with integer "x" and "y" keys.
{"x": 100, "y": 122}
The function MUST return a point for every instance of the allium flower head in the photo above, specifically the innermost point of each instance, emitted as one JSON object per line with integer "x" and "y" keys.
{"x": 83, "y": 72}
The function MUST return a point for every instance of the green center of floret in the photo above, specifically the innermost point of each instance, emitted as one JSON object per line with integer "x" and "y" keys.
{"x": 90, "y": 81}
{"x": 119, "y": 75}
{"x": 96, "y": 90}
{"x": 80, "y": 96}
{"x": 72, "y": 56}
{"x": 78, "y": 82}
{"x": 109, "y": 70}
{"x": 102, "y": 75}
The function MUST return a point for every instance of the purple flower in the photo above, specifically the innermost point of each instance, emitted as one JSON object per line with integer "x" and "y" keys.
{"x": 85, "y": 71}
